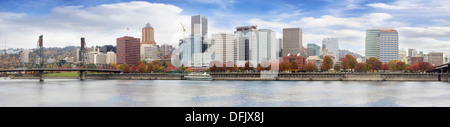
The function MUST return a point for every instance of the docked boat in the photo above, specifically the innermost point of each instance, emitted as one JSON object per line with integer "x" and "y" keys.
{"x": 198, "y": 76}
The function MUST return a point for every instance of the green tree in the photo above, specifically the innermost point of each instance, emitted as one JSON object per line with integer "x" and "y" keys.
{"x": 392, "y": 65}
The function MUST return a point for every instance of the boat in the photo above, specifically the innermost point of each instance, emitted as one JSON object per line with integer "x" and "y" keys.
{"x": 198, "y": 76}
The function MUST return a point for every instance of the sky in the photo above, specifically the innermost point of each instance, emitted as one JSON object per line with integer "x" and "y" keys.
{"x": 422, "y": 24}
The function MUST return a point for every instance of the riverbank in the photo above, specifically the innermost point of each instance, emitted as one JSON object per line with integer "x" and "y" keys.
{"x": 283, "y": 76}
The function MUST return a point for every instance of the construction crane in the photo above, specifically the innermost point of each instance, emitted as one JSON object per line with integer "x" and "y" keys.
{"x": 184, "y": 30}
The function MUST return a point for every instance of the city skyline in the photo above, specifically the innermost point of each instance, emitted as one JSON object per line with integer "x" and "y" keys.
{"x": 349, "y": 26}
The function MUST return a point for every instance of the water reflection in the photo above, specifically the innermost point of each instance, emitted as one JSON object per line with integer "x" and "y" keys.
{"x": 54, "y": 92}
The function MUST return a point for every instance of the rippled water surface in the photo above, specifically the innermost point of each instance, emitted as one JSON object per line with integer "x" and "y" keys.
{"x": 72, "y": 92}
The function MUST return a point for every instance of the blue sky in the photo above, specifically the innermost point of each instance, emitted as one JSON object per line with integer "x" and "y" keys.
{"x": 422, "y": 24}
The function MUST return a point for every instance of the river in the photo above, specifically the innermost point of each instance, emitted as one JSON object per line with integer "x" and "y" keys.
{"x": 72, "y": 92}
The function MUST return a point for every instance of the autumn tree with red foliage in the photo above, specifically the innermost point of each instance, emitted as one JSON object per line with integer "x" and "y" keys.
{"x": 310, "y": 67}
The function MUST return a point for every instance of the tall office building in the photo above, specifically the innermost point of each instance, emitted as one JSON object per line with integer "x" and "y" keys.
{"x": 199, "y": 25}
{"x": 292, "y": 41}
{"x": 436, "y": 58}
{"x": 246, "y": 37}
{"x": 148, "y": 35}
{"x": 388, "y": 41}
{"x": 225, "y": 47}
{"x": 412, "y": 52}
{"x": 312, "y": 50}
{"x": 256, "y": 45}
{"x": 128, "y": 50}
{"x": 266, "y": 45}
{"x": 332, "y": 45}
{"x": 382, "y": 43}
{"x": 372, "y": 46}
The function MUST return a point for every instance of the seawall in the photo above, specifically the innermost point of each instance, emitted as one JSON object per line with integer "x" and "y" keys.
{"x": 285, "y": 76}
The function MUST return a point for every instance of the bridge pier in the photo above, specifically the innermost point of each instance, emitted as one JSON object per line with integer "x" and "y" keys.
{"x": 82, "y": 75}
{"x": 41, "y": 76}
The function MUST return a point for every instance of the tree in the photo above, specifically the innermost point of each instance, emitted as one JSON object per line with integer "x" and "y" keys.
{"x": 141, "y": 67}
{"x": 344, "y": 64}
{"x": 294, "y": 66}
{"x": 337, "y": 67}
{"x": 248, "y": 66}
{"x": 150, "y": 67}
{"x": 360, "y": 67}
{"x": 400, "y": 66}
{"x": 373, "y": 64}
{"x": 413, "y": 67}
{"x": 310, "y": 67}
{"x": 351, "y": 61}
{"x": 425, "y": 66}
{"x": 126, "y": 68}
{"x": 385, "y": 67}
{"x": 284, "y": 66}
{"x": 392, "y": 65}
{"x": 258, "y": 68}
{"x": 327, "y": 64}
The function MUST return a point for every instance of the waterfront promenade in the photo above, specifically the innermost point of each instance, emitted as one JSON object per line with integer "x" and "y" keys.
{"x": 286, "y": 76}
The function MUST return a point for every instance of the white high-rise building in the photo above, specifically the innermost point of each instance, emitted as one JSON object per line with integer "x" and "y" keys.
{"x": 225, "y": 47}
{"x": 382, "y": 43}
{"x": 148, "y": 52}
{"x": 332, "y": 45}
{"x": 256, "y": 45}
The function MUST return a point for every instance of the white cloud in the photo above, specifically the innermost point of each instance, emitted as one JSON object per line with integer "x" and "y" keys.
{"x": 100, "y": 25}
{"x": 397, "y": 5}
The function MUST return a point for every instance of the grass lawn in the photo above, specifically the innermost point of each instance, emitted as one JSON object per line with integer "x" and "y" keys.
{"x": 63, "y": 74}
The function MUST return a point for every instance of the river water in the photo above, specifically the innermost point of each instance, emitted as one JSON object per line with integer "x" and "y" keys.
{"x": 72, "y": 92}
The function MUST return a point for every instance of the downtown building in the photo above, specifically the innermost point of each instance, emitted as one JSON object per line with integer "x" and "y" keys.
{"x": 382, "y": 43}
{"x": 128, "y": 50}
{"x": 193, "y": 48}
{"x": 312, "y": 50}
{"x": 255, "y": 45}
{"x": 436, "y": 58}
{"x": 224, "y": 47}
{"x": 292, "y": 41}
{"x": 332, "y": 47}
{"x": 148, "y": 49}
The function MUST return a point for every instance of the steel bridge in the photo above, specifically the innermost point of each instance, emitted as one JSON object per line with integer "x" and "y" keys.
{"x": 41, "y": 67}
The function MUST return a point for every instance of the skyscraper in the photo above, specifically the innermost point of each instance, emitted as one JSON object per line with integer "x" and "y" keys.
{"x": 148, "y": 35}
{"x": 332, "y": 45}
{"x": 382, "y": 43}
{"x": 266, "y": 45}
{"x": 388, "y": 41}
{"x": 148, "y": 52}
{"x": 372, "y": 46}
{"x": 199, "y": 25}
{"x": 128, "y": 50}
{"x": 412, "y": 52}
{"x": 292, "y": 41}
{"x": 246, "y": 37}
{"x": 312, "y": 50}
{"x": 224, "y": 46}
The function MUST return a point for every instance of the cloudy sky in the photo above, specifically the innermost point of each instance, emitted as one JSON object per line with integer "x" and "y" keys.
{"x": 422, "y": 24}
